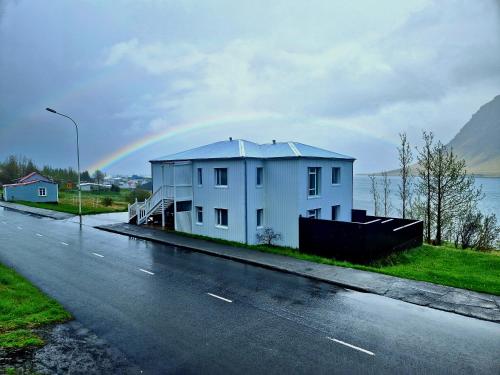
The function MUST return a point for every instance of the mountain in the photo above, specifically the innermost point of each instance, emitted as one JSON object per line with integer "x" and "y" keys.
{"x": 478, "y": 142}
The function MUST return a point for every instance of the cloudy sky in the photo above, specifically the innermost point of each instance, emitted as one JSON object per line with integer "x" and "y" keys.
{"x": 149, "y": 78}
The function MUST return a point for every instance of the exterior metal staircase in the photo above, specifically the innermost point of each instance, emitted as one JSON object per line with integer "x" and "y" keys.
{"x": 154, "y": 205}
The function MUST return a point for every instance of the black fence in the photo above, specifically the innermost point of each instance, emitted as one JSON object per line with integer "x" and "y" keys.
{"x": 363, "y": 240}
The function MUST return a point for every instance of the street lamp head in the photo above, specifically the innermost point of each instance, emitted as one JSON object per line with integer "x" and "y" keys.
{"x": 51, "y": 110}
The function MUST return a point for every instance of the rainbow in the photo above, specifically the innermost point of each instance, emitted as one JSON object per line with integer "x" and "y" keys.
{"x": 173, "y": 131}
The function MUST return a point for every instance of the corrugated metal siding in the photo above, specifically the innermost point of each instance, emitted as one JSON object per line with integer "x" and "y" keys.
{"x": 30, "y": 192}
{"x": 211, "y": 197}
{"x": 283, "y": 196}
{"x": 255, "y": 197}
{"x": 281, "y": 209}
{"x": 330, "y": 195}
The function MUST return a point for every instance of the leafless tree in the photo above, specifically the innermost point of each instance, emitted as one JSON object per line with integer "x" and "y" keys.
{"x": 405, "y": 187}
{"x": 268, "y": 236}
{"x": 386, "y": 194}
{"x": 375, "y": 195}
{"x": 425, "y": 161}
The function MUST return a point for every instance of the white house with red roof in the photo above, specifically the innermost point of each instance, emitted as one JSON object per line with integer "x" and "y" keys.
{"x": 32, "y": 188}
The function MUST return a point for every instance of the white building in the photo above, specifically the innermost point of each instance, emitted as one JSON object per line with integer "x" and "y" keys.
{"x": 233, "y": 189}
{"x": 91, "y": 186}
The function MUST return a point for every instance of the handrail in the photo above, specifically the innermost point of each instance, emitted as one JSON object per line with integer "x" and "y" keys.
{"x": 145, "y": 208}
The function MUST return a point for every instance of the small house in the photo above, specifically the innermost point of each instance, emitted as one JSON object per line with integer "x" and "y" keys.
{"x": 32, "y": 188}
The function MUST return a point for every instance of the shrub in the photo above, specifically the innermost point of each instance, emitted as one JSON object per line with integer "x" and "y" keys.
{"x": 140, "y": 194}
{"x": 107, "y": 201}
{"x": 268, "y": 236}
{"x": 115, "y": 188}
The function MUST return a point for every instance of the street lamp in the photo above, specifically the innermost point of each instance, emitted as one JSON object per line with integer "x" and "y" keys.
{"x": 78, "y": 161}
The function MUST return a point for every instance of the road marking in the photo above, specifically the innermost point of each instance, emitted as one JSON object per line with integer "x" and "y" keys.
{"x": 351, "y": 346}
{"x": 98, "y": 255}
{"x": 39, "y": 235}
{"x": 219, "y": 297}
{"x": 64, "y": 243}
{"x": 145, "y": 271}
{"x": 18, "y": 227}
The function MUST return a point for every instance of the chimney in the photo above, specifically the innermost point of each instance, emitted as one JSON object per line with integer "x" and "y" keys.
{"x": 230, "y": 139}
{"x": 274, "y": 141}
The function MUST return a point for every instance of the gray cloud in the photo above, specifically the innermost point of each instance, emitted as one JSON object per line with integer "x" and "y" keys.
{"x": 329, "y": 73}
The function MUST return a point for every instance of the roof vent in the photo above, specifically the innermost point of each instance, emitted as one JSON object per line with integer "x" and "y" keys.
{"x": 274, "y": 141}
{"x": 230, "y": 139}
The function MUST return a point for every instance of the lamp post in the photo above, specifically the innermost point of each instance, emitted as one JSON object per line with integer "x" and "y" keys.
{"x": 78, "y": 162}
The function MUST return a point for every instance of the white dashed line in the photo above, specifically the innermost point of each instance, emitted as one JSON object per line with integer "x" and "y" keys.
{"x": 145, "y": 271}
{"x": 64, "y": 243}
{"x": 98, "y": 255}
{"x": 39, "y": 235}
{"x": 19, "y": 227}
{"x": 351, "y": 346}
{"x": 219, "y": 297}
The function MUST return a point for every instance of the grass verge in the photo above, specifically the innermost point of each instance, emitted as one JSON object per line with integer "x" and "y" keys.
{"x": 92, "y": 202}
{"x": 22, "y": 308}
{"x": 445, "y": 265}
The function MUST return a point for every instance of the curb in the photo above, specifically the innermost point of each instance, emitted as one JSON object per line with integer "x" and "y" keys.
{"x": 35, "y": 213}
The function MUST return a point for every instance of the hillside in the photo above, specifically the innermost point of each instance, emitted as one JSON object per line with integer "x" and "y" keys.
{"x": 478, "y": 142}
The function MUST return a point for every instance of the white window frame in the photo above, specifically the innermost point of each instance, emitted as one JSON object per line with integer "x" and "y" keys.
{"x": 199, "y": 176}
{"x": 218, "y": 177}
{"x": 259, "y": 170}
{"x": 40, "y": 189}
{"x": 338, "y": 175}
{"x": 316, "y": 190}
{"x": 260, "y": 217}
{"x": 198, "y": 211}
{"x": 218, "y": 218}
{"x": 314, "y": 213}
{"x": 336, "y": 207}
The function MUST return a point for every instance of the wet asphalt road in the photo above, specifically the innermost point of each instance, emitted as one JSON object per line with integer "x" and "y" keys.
{"x": 162, "y": 307}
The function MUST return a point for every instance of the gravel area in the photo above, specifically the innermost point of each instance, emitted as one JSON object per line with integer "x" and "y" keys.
{"x": 70, "y": 349}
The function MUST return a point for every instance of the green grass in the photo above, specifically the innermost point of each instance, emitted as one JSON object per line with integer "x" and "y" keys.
{"x": 91, "y": 202}
{"x": 22, "y": 308}
{"x": 445, "y": 265}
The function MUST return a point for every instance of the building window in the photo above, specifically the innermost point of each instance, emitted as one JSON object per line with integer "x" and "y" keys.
{"x": 260, "y": 176}
{"x": 42, "y": 192}
{"x": 335, "y": 212}
{"x": 199, "y": 215}
{"x": 314, "y": 214}
{"x": 314, "y": 181}
{"x": 200, "y": 176}
{"x": 220, "y": 176}
{"x": 335, "y": 175}
{"x": 221, "y": 217}
{"x": 260, "y": 218}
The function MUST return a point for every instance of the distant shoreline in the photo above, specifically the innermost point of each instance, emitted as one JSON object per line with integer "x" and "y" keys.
{"x": 392, "y": 173}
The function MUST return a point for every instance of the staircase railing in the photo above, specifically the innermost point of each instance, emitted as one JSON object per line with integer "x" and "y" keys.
{"x": 149, "y": 205}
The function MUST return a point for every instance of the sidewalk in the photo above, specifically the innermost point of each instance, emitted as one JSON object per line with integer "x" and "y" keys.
{"x": 36, "y": 211}
{"x": 459, "y": 301}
